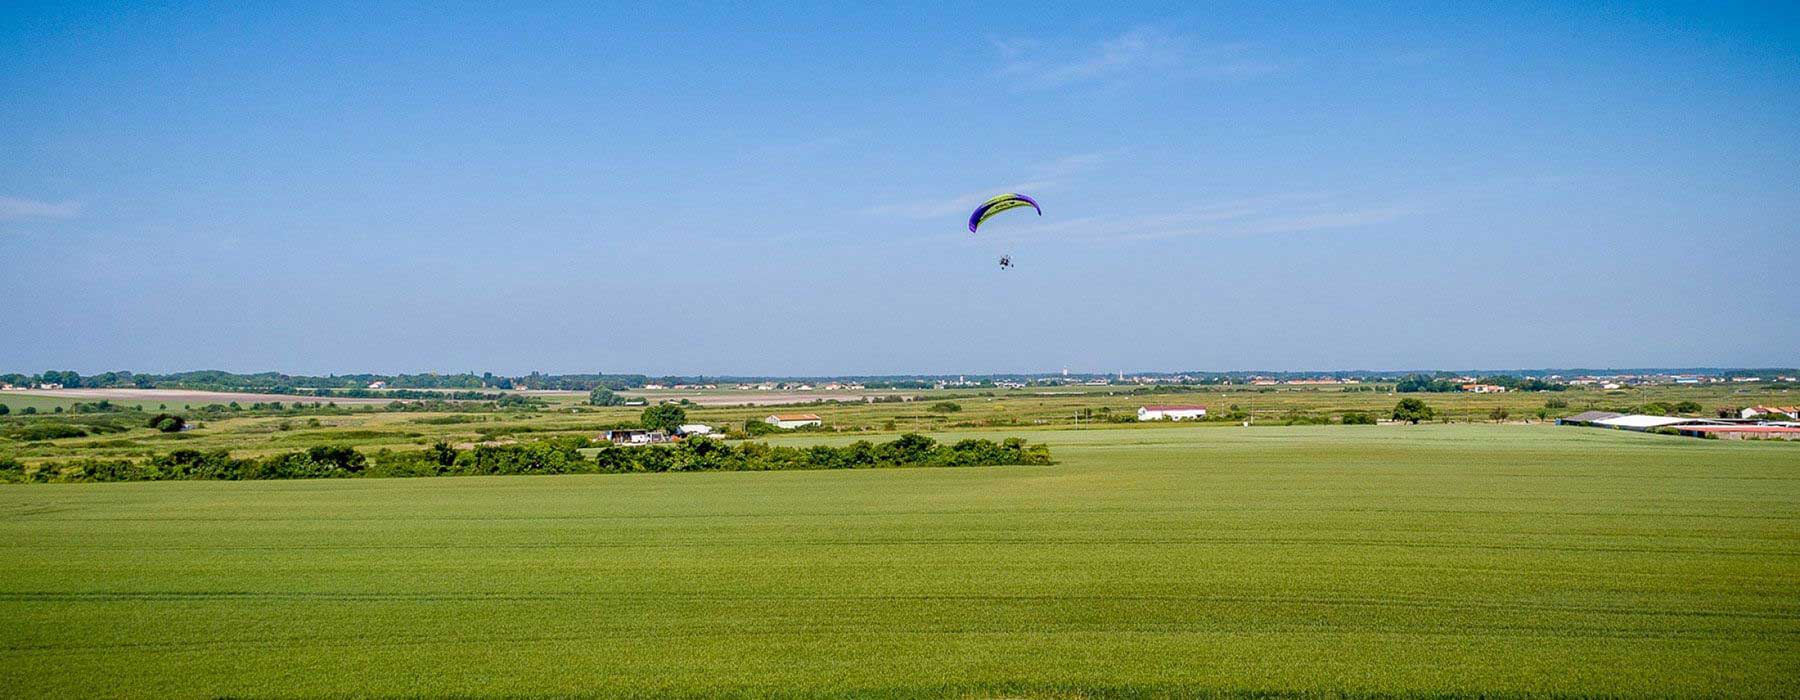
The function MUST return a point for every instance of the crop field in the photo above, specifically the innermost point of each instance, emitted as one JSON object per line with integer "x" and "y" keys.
{"x": 1431, "y": 561}
{"x": 367, "y": 425}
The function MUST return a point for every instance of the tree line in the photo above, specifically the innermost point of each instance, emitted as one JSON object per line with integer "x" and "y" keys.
{"x": 555, "y": 456}
{"x": 1413, "y": 383}
{"x": 278, "y": 383}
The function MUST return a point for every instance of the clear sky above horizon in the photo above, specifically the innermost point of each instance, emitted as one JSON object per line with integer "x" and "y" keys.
{"x": 689, "y": 189}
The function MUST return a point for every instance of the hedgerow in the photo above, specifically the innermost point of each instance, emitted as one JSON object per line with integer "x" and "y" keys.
{"x": 556, "y": 456}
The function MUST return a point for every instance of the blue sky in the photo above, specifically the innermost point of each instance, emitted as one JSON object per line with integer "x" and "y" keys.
{"x": 783, "y": 190}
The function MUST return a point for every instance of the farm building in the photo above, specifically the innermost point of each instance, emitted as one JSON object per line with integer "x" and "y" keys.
{"x": 1587, "y": 418}
{"x": 1483, "y": 388}
{"x": 1775, "y": 412}
{"x": 634, "y": 437}
{"x": 694, "y": 429}
{"x": 1647, "y": 423}
{"x": 1170, "y": 412}
{"x": 1741, "y": 432}
{"x": 789, "y": 421}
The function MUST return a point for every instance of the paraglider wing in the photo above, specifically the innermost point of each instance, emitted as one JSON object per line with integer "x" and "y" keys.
{"x": 989, "y": 208}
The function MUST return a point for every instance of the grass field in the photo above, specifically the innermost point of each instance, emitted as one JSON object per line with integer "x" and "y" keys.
{"x": 1428, "y": 561}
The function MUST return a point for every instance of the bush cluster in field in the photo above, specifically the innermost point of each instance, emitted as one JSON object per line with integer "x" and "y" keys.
{"x": 556, "y": 456}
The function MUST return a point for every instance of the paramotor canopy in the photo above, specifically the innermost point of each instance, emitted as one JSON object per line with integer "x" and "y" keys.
{"x": 988, "y": 209}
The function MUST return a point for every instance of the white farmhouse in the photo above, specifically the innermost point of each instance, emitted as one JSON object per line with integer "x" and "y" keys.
{"x": 1171, "y": 412}
{"x": 789, "y": 421}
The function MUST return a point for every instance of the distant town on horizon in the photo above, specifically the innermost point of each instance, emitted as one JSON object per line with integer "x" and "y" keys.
{"x": 538, "y": 381}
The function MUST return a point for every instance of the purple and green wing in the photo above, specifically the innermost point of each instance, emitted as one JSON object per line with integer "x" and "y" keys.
{"x": 998, "y": 204}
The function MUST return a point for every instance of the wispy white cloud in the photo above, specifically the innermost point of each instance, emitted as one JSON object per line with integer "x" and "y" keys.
{"x": 1073, "y": 164}
{"x": 17, "y": 209}
{"x": 1040, "y": 65}
{"x": 946, "y": 206}
{"x": 1297, "y": 223}
{"x": 1258, "y": 216}
{"x": 810, "y": 145}
{"x": 1045, "y": 176}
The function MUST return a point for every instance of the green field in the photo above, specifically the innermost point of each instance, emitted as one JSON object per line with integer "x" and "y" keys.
{"x": 1393, "y": 561}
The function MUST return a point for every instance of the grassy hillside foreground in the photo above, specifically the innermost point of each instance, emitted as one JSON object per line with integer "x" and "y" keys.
{"x": 1415, "y": 561}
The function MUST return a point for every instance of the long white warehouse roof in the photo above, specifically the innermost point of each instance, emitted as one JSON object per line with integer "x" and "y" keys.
{"x": 1650, "y": 421}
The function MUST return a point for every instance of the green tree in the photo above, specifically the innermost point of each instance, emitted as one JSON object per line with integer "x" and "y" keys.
{"x": 68, "y": 379}
{"x": 167, "y": 423}
{"x": 1419, "y": 382}
{"x": 442, "y": 453}
{"x": 665, "y": 416}
{"x": 603, "y": 396}
{"x": 4, "y": 409}
{"x": 1498, "y": 414}
{"x": 1413, "y": 411}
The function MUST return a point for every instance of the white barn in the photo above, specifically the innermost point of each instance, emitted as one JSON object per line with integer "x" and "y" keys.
{"x": 1171, "y": 412}
{"x": 789, "y": 421}
{"x": 1648, "y": 423}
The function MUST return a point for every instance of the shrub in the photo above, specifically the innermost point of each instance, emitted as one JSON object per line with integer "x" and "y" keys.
{"x": 1412, "y": 411}
{"x": 194, "y": 464}
{"x": 1302, "y": 418}
{"x": 101, "y": 470}
{"x": 945, "y": 407}
{"x": 1358, "y": 418}
{"x": 168, "y": 423}
{"x": 603, "y": 396}
{"x": 701, "y": 454}
{"x": 45, "y": 431}
{"x": 517, "y": 401}
{"x": 449, "y": 420}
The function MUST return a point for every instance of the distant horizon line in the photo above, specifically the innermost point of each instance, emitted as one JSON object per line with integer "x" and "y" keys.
{"x": 1698, "y": 370}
